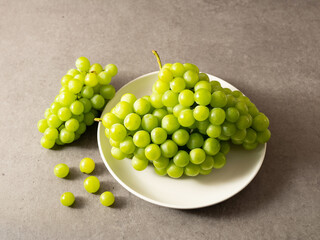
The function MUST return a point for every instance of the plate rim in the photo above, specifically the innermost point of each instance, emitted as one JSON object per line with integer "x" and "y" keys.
{"x": 173, "y": 206}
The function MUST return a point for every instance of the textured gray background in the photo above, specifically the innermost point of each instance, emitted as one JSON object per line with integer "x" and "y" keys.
{"x": 268, "y": 49}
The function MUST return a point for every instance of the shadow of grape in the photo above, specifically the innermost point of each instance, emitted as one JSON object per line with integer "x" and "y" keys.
{"x": 79, "y": 202}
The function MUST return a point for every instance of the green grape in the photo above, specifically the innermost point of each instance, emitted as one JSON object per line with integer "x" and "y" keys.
{"x": 170, "y": 123}
{"x": 96, "y": 67}
{"x": 192, "y": 170}
{"x": 170, "y": 98}
{"x": 107, "y": 91}
{"x": 223, "y": 137}
{"x": 139, "y": 164}
{"x": 160, "y": 113}
{"x": 177, "y": 109}
{"x": 109, "y": 119}
{"x": 203, "y": 126}
{"x": 141, "y": 106}
{"x": 169, "y": 148}
{"x": 80, "y": 117}
{"x": 51, "y": 133}
{"x": 122, "y": 109}
{"x": 205, "y": 172}
{"x": 117, "y": 154}
{"x": 190, "y": 66}
{"x": 127, "y": 146}
{"x": 186, "y": 98}
{"x": 58, "y": 141}
{"x": 251, "y": 136}
{"x": 104, "y": 78}
{"x": 140, "y": 153}
{"x": 87, "y": 106}
{"x": 42, "y": 125}
{"x": 239, "y": 135}
{"x": 76, "y": 136}
{"x": 213, "y": 131}
{"x": 211, "y": 146}
{"x": 191, "y": 78}
{"x": 167, "y": 65}
{"x": 203, "y": 85}
{"x": 91, "y": 184}
{"x": 97, "y": 101}
{"x": 64, "y": 114}
{"x": 82, "y": 128}
{"x": 129, "y": 98}
{"x": 242, "y": 108}
{"x": 72, "y": 125}
{"x": 253, "y": 111}
{"x": 250, "y": 146}
{"x": 158, "y": 135}
{"x": 197, "y": 156}
{"x": 161, "y": 163}
{"x": 66, "y": 136}
{"x": 66, "y": 98}
{"x": 54, "y": 121}
{"x": 118, "y": 132}
{"x": 224, "y": 147}
{"x": 161, "y": 86}
{"x": 181, "y": 159}
{"x": 47, "y": 113}
{"x": 107, "y": 199}
{"x": 67, "y": 199}
{"x": 202, "y": 97}
{"x": 180, "y": 137}
{"x": 111, "y": 69}
{"x": 204, "y": 77}
{"x": 260, "y": 123}
{"x": 77, "y": 107}
{"x": 132, "y": 121}
{"x": 236, "y": 93}
{"x": 195, "y": 141}
{"x": 75, "y": 86}
{"x": 149, "y": 122}
{"x": 219, "y": 160}
{"x": 201, "y": 113}
{"x": 55, "y": 107}
{"x": 165, "y": 75}
{"x": 177, "y": 69}
{"x": 152, "y": 152}
{"x": 228, "y": 129}
{"x": 227, "y": 91}
{"x": 141, "y": 139}
{"x": 61, "y": 170}
{"x": 114, "y": 143}
{"x": 232, "y": 114}
{"x": 87, "y": 92}
{"x": 231, "y": 101}
{"x": 80, "y": 77}
{"x": 217, "y": 116}
{"x": 91, "y": 80}
{"x": 264, "y": 136}
{"x": 177, "y": 84}
{"x": 170, "y": 109}
{"x": 65, "y": 80}
{"x": 218, "y": 99}
{"x": 160, "y": 171}
{"x": 243, "y": 122}
{"x": 83, "y": 64}
{"x": 47, "y": 143}
{"x": 156, "y": 100}
{"x": 73, "y": 72}
{"x": 186, "y": 118}
{"x": 207, "y": 163}
{"x": 174, "y": 171}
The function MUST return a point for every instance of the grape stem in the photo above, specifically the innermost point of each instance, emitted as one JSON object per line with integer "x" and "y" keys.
{"x": 98, "y": 119}
{"x": 158, "y": 58}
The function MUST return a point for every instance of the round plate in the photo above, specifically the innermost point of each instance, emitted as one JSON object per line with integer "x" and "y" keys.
{"x": 185, "y": 192}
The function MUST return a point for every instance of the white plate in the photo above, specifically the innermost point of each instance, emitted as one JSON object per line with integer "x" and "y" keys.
{"x": 186, "y": 192}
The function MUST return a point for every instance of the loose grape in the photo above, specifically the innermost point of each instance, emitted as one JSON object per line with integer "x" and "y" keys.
{"x": 107, "y": 91}
{"x": 191, "y": 78}
{"x": 186, "y": 98}
{"x": 51, "y": 133}
{"x": 158, "y": 135}
{"x": 91, "y": 184}
{"x": 139, "y": 164}
{"x": 54, "y": 121}
{"x": 47, "y": 143}
{"x": 197, "y": 156}
{"x": 66, "y": 136}
{"x": 83, "y": 64}
{"x": 170, "y": 123}
{"x": 195, "y": 141}
{"x": 112, "y": 69}
{"x": 174, "y": 171}
{"x": 201, "y": 113}
{"x": 192, "y": 170}
{"x": 67, "y": 199}
{"x": 170, "y": 98}
{"x": 202, "y": 97}
{"x": 107, "y": 199}
{"x": 42, "y": 125}
{"x": 169, "y": 148}
{"x": 165, "y": 75}
{"x": 211, "y": 146}
{"x": 97, "y": 101}
{"x": 218, "y": 99}
{"x": 213, "y": 131}
{"x": 132, "y": 121}
{"x": 141, "y": 106}
{"x": 177, "y": 84}
{"x": 181, "y": 159}
{"x": 127, "y": 146}
{"x": 141, "y": 138}
{"x": 118, "y": 132}
{"x": 152, "y": 152}
{"x": 117, "y": 153}
{"x": 149, "y": 122}
{"x": 208, "y": 163}
{"x": 186, "y": 118}
{"x": 263, "y": 137}
{"x": 61, "y": 170}
{"x": 260, "y": 123}
{"x": 219, "y": 160}
{"x": 217, "y": 116}
{"x": 180, "y": 137}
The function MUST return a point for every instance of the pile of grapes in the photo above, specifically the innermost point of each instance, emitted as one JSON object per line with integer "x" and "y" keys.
{"x": 83, "y": 94}
{"x": 185, "y": 126}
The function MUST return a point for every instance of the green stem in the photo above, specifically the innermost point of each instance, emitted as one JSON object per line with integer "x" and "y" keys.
{"x": 98, "y": 119}
{"x": 158, "y": 58}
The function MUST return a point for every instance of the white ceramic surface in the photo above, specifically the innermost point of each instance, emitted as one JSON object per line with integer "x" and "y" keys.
{"x": 186, "y": 192}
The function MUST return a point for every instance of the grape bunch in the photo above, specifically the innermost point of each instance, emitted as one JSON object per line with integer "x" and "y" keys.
{"x": 83, "y": 94}
{"x": 185, "y": 126}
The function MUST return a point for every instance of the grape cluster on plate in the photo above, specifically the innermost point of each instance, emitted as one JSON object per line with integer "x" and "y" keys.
{"x": 83, "y": 94}
{"x": 185, "y": 126}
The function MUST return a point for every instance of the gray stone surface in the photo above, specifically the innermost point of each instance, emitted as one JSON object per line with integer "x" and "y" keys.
{"x": 268, "y": 49}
